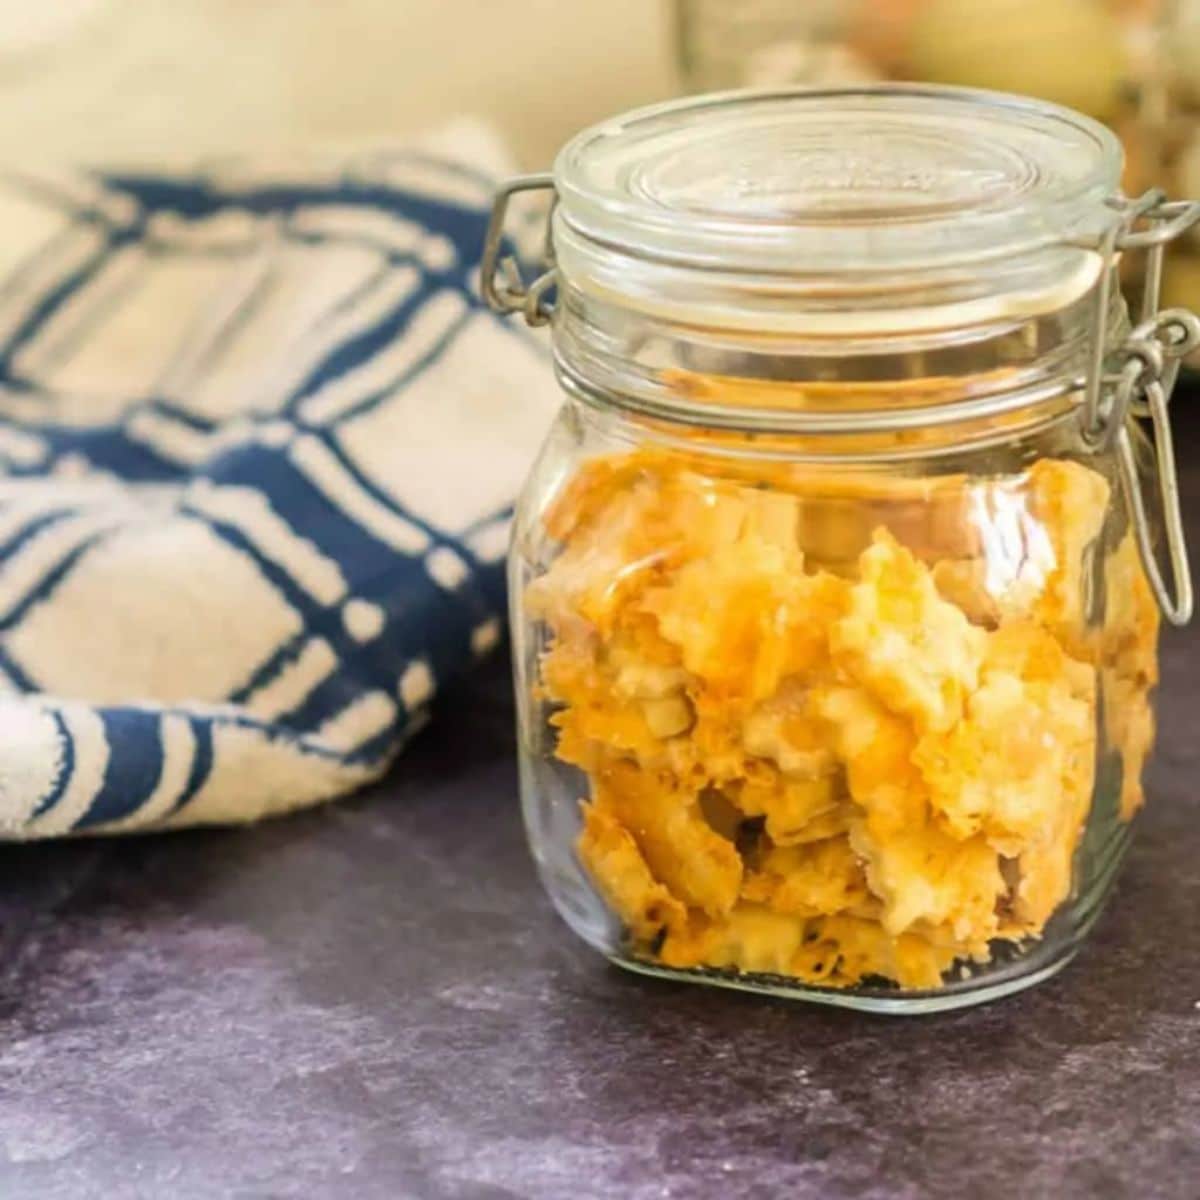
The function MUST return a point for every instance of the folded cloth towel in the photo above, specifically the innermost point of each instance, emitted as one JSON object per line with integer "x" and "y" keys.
{"x": 259, "y": 440}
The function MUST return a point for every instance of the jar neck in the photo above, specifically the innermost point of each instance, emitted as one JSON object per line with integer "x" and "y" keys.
{"x": 984, "y": 378}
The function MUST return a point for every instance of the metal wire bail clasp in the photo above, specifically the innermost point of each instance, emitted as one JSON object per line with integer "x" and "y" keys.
{"x": 500, "y": 279}
{"x": 1144, "y": 370}
{"x": 1151, "y": 355}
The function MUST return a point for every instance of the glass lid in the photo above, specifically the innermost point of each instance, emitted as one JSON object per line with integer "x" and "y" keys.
{"x": 888, "y": 195}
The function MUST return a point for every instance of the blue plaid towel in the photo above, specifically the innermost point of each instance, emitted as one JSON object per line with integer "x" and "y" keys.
{"x": 258, "y": 443}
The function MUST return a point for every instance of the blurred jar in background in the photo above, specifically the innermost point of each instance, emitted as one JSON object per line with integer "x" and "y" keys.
{"x": 1134, "y": 64}
{"x": 1101, "y": 57}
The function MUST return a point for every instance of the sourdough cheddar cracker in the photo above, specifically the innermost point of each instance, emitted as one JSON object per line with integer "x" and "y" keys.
{"x": 837, "y": 728}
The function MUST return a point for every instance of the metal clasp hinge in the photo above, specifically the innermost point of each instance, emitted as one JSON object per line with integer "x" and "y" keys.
{"x": 1146, "y": 368}
{"x": 500, "y": 281}
{"x": 1152, "y": 355}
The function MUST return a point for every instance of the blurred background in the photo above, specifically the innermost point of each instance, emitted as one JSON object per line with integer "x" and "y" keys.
{"x": 154, "y": 81}
{"x": 151, "y": 79}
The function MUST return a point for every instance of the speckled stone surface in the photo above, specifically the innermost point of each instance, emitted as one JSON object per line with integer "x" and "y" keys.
{"x": 374, "y": 1001}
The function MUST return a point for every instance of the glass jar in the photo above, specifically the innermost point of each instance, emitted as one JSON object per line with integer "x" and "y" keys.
{"x": 834, "y": 590}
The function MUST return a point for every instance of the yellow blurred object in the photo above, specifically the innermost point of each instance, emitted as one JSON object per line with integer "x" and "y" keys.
{"x": 1182, "y": 47}
{"x": 1067, "y": 51}
{"x": 1181, "y": 281}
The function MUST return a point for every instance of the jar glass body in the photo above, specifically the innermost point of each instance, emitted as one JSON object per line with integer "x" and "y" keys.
{"x": 857, "y": 721}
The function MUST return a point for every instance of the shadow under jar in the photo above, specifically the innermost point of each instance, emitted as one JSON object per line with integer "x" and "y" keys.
{"x": 834, "y": 588}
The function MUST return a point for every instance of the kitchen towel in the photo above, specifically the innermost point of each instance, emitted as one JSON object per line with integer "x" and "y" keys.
{"x": 259, "y": 441}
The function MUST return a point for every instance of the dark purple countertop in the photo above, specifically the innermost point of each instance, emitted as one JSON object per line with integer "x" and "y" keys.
{"x": 374, "y": 1001}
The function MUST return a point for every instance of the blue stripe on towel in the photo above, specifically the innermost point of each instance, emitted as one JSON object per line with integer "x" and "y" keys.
{"x": 135, "y": 762}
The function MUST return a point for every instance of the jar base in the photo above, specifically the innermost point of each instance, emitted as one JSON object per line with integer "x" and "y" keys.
{"x": 898, "y": 1004}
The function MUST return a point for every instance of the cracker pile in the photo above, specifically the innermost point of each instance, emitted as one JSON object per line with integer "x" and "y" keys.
{"x": 836, "y": 727}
